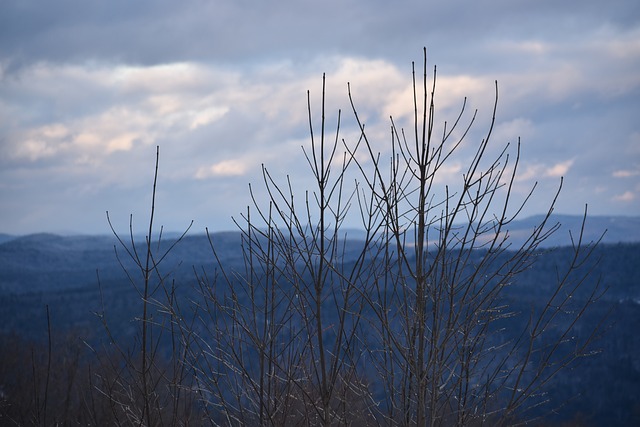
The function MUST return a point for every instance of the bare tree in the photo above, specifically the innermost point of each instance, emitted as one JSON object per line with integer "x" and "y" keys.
{"x": 417, "y": 322}
{"x": 147, "y": 382}
{"x": 442, "y": 290}
{"x": 277, "y": 341}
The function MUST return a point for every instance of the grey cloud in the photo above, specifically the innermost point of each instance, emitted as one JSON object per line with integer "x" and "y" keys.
{"x": 559, "y": 77}
{"x": 149, "y": 32}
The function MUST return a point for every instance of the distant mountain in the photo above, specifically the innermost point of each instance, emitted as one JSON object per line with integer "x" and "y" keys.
{"x": 39, "y": 262}
{"x": 6, "y": 237}
{"x": 43, "y": 261}
{"x": 78, "y": 276}
{"x": 616, "y": 229}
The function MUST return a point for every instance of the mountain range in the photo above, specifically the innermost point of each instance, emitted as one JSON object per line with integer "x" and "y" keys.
{"x": 78, "y": 276}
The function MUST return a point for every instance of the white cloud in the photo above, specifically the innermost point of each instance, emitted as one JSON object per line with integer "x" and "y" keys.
{"x": 625, "y": 173}
{"x": 40, "y": 142}
{"x": 627, "y": 196}
{"x": 162, "y": 78}
{"x": 106, "y": 109}
{"x": 540, "y": 170}
{"x": 559, "y": 169}
{"x": 207, "y": 116}
{"x": 233, "y": 167}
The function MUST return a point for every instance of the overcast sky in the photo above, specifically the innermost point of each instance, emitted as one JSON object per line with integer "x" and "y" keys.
{"x": 89, "y": 88}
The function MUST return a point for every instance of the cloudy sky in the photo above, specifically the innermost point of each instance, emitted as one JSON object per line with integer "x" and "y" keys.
{"x": 89, "y": 88}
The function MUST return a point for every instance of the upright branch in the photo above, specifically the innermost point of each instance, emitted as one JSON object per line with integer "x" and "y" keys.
{"x": 145, "y": 390}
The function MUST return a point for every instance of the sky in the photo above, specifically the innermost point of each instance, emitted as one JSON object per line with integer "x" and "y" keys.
{"x": 88, "y": 89}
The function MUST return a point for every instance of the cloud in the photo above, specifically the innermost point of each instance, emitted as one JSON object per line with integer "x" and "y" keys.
{"x": 539, "y": 170}
{"x": 41, "y": 142}
{"x": 125, "y": 106}
{"x": 87, "y": 90}
{"x": 625, "y": 173}
{"x": 208, "y": 116}
{"x": 559, "y": 169}
{"x": 627, "y": 196}
{"x": 224, "y": 168}
{"x": 115, "y": 109}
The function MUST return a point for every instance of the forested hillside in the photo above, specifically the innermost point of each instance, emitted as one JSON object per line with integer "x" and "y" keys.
{"x": 81, "y": 281}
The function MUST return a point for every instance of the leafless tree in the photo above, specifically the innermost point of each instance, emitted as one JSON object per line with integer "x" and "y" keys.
{"x": 147, "y": 382}
{"x": 441, "y": 302}
{"x": 277, "y": 341}
{"x": 407, "y": 328}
